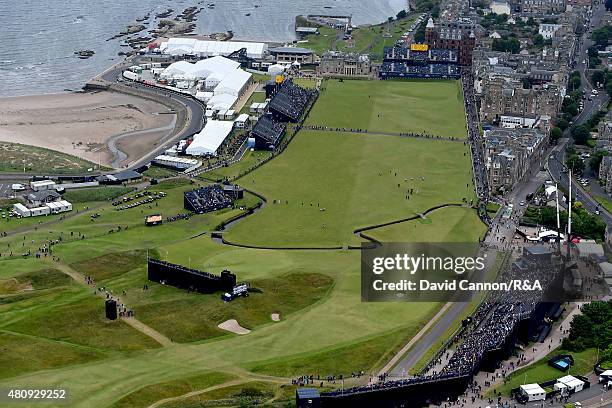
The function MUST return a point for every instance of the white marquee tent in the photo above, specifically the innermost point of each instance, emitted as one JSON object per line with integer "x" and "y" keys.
{"x": 207, "y": 142}
{"x": 234, "y": 83}
{"x": 221, "y": 102}
{"x": 208, "y": 48}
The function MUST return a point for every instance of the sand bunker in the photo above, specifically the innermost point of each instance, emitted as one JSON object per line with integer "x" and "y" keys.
{"x": 275, "y": 317}
{"x": 233, "y": 326}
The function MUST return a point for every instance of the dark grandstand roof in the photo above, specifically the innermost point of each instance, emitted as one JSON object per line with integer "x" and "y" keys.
{"x": 268, "y": 129}
{"x": 290, "y": 101}
{"x": 290, "y": 50}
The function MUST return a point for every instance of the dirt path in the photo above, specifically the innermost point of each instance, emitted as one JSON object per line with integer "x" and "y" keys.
{"x": 199, "y": 392}
{"x": 132, "y": 321}
{"x": 148, "y": 331}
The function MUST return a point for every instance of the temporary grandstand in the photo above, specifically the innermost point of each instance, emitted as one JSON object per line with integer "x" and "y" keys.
{"x": 289, "y": 102}
{"x": 267, "y": 133}
{"x": 208, "y": 141}
{"x": 405, "y": 70}
{"x": 432, "y": 55}
{"x": 209, "y": 48}
{"x": 207, "y": 199}
{"x": 404, "y": 62}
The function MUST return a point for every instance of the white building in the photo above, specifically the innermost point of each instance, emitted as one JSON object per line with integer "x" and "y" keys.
{"x": 568, "y": 384}
{"x": 513, "y": 122}
{"x": 242, "y": 120}
{"x": 180, "y": 163}
{"x": 500, "y": 7}
{"x": 548, "y": 30}
{"x": 42, "y": 185}
{"x": 60, "y": 206}
{"x": 209, "y": 48}
{"x": 533, "y": 392}
{"x": 208, "y": 141}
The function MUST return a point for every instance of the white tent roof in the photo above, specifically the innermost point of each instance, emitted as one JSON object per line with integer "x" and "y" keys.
{"x": 179, "y": 68}
{"x": 221, "y": 102}
{"x": 210, "y": 138}
{"x": 178, "y": 46}
{"x": 233, "y": 83}
{"x": 570, "y": 381}
{"x": 206, "y": 67}
{"x": 531, "y": 389}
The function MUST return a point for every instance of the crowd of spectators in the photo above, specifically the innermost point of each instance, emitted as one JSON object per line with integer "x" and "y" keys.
{"x": 206, "y": 199}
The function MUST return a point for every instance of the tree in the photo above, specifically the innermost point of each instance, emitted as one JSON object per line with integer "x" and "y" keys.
{"x": 574, "y": 82}
{"x": 598, "y": 77}
{"x": 609, "y": 88}
{"x": 596, "y": 159}
{"x": 581, "y": 326}
{"x": 402, "y": 14}
{"x": 592, "y": 52}
{"x": 538, "y": 40}
{"x": 511, "y": 44}
{"x": 581, "y": 134}
{"x": 562, "y": 124}
{"x": 555, "y": 134}
{"x": 575, "y": 163}
{"x": 600, "y": 36}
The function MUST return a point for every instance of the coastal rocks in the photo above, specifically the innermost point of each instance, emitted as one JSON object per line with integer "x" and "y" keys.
{"x": 165, "y": 14}
{"x": 84, "y": 54}
{"x": 222, "y": 36}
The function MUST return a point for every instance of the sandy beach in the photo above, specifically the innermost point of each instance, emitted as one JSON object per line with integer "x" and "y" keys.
{"x": 85, "y": 124}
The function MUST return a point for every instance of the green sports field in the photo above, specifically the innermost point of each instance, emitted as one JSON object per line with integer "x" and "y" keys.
{"x": 433, "y": 107}
{"x": 327, "y": 184}
{"x": 318, "y": 191}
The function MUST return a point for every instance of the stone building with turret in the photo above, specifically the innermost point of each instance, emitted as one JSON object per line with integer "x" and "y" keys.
{"x": 457, "y": 35}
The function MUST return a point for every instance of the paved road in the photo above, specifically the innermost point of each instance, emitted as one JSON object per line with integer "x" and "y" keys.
{"x": 195, "y": 109}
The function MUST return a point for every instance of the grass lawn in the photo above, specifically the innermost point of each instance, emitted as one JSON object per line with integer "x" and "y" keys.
{"x": 307, "y": 83}
{"x": 324, "y": 327}
{"x": 371, "y": 39}
{"x": 369, "y": 172}
{"x": 321, "y": 42}
{"x": 451, "y": 224}
{"x": 87, "y": 195}
{"x": 256, "y": 97}
{"x": 14, "y": 156}
{"x": 249, "y": 160}
{"x": 392, "y": 106}
{"x": 147, "y": 395}
{"x": 607, "y": 204}
{"x": 158, "y": 172}
{"x": 540, "y": 371}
